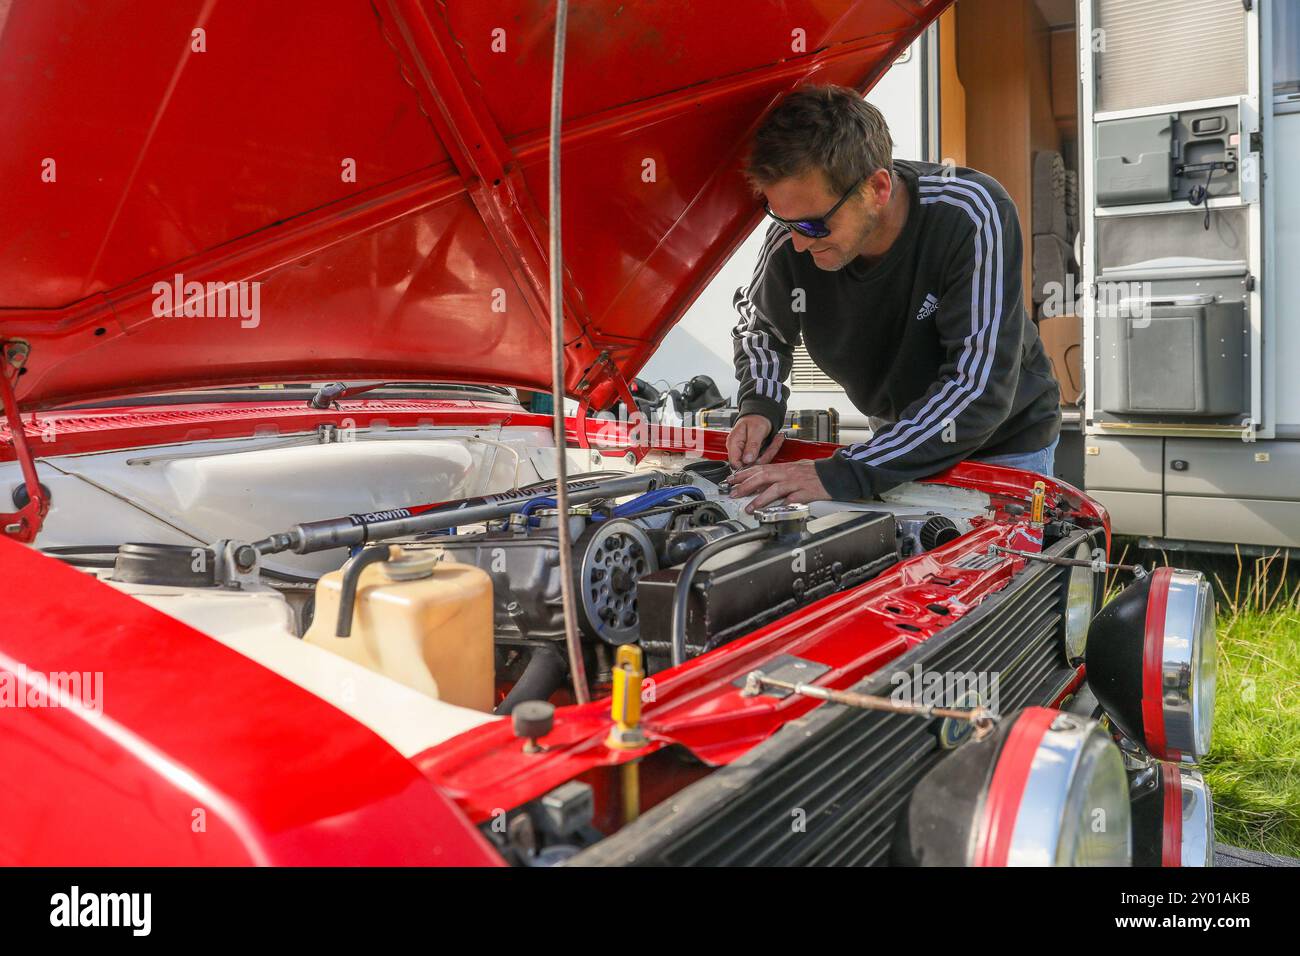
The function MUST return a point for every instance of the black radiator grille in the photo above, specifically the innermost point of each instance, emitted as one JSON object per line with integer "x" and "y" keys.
{"x": 846, "y": 772}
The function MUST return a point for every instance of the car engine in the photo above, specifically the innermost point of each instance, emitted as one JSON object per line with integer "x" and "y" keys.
{"x": 662, "y": 558}
{"x": 629, "y": 563}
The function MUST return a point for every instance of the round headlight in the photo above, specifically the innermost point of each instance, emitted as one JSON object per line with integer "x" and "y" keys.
{"x": 1151, "y": 663}
{"x": 1173, "y": 817}
{"x": 1047, "y": 789}
{"x": 1080, "y": 604}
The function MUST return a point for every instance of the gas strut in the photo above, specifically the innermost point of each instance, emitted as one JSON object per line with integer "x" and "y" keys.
{"x": 350, "y": 530}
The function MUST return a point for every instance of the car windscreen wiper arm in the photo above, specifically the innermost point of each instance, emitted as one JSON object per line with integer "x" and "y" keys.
{"x": 327, "y": 396}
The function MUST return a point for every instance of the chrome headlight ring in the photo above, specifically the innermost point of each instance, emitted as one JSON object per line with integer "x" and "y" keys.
{"x": 1081, "y": 603}
{"x": 1151, "y": 663}
{"x": 1178, "y": 675}
{"x": 1173, "y": 817}
{"x": 1073, "y": 805}
{"x": 1046, "y": 789}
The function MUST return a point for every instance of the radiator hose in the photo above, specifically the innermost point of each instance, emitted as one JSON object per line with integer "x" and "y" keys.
{"x": 542, "y": 677}
{"x": 682, "y": 592}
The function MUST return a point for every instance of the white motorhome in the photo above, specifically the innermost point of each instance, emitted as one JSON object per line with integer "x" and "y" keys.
{"x": 1145, "y": 144}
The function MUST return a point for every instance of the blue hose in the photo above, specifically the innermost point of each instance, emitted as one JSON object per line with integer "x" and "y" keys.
{"x": 651, "y": 499}
{"x": 532, "y": 503}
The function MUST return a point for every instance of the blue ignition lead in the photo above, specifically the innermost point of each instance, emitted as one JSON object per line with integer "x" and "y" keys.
{"x": 651, "y": 499}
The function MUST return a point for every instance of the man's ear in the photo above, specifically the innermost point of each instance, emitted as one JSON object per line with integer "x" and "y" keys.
{"x": 881, "y": 185}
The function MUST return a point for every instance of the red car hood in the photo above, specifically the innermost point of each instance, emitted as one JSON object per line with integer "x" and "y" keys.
{"x": 370, "y": 178}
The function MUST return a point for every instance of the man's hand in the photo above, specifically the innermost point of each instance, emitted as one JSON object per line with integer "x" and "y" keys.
{"x": 792, "y": 482}
{"x": 746, "y": 438}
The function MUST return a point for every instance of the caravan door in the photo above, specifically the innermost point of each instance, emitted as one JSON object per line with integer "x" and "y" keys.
{"x": 1191, "y": 406}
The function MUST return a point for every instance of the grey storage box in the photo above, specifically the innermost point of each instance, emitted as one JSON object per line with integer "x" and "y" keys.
{"x": 1134, "y": 160}
{"x": 1177, "y": 355}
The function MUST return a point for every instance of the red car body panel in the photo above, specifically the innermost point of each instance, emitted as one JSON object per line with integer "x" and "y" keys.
{"x": 228, "y": 165}
{"x": 284, "y": 777}
{"x": 196, "y": 755}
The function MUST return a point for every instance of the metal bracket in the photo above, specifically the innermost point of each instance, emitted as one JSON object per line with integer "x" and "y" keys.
{"x": 624, "y": 391}
{"x": 25, "y": 523}
{"x": 238, "y": 564}
{"x": 785, "y": 667}
{"x": 1228, "y": 166}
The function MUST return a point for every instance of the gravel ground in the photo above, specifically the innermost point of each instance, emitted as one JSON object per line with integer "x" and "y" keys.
{"x": 1225, "y": 855}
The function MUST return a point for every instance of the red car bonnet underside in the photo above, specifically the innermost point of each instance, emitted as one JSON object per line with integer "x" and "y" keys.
{"x": 379, "y": 170}
{"x": 192, "y": 754}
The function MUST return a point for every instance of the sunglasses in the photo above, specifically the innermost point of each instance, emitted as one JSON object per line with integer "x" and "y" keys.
{"x": 814, "y": 228}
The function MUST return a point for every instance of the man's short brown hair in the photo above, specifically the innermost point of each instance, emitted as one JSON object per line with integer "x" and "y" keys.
{"x": 830, "y": 128}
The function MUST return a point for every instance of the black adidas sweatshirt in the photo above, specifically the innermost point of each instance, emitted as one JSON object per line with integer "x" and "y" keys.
{"x": 932, "y": 338}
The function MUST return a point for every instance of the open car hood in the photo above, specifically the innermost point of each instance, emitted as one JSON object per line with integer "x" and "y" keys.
{"x": 371, "y": 178}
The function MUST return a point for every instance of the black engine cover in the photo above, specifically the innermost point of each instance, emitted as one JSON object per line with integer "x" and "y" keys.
{"x": 745, "y": 588}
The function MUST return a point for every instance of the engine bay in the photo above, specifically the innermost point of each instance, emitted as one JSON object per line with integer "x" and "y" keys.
{"x": 459, "y": 601}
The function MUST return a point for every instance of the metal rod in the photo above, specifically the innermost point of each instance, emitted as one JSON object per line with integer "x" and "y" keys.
{"x": 1062, "y": 562}
{"x": 30, "y": 517}
{"x": 577, "y": 667}
{"x": 981, "y": 717}
{"x": 349, "y": 530}
{"x": 631, "y": 777}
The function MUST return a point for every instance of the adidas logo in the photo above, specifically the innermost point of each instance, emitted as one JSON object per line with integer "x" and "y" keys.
{"x": 928, "y": 306}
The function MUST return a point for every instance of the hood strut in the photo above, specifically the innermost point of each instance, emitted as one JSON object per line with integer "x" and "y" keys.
{"x": 24, "y": 523}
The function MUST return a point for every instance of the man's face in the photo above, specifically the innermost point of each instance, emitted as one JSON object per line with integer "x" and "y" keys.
{"x": 808, "y": 196}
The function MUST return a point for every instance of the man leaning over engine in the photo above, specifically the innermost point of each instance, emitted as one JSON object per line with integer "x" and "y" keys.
{"x": 903, "y": 280}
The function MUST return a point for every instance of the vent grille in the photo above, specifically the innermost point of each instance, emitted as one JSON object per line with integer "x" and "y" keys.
{"x": 805, "y": 376}
{"x": 847, "y": 772}
{"x": 1169, "y": 51}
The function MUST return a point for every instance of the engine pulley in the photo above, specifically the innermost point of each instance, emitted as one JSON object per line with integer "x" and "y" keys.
{"x": 615, "y": 555}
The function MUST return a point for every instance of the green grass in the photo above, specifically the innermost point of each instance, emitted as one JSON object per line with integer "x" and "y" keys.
{"x": 1253, "y": 769}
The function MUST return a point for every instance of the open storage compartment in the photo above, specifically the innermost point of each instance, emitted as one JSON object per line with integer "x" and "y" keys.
{"x": 1172, "y": 322}
{"x": 1179, "y": 354}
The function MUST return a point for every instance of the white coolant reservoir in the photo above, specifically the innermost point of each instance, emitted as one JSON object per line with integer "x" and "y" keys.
{"x": 423, "y": 622}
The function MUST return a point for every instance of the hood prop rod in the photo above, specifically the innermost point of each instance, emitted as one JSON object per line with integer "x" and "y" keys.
{"x": 577, "y": 666}
{"x": 23, "y": 524}
{"x": 1097, "y": 562}
{"x": 981, "y": 718}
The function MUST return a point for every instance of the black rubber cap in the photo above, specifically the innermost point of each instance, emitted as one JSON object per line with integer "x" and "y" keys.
{"x": 21, "y": 497}
{"x": 533, "y": 718}
{"x": 172, "y": 565}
